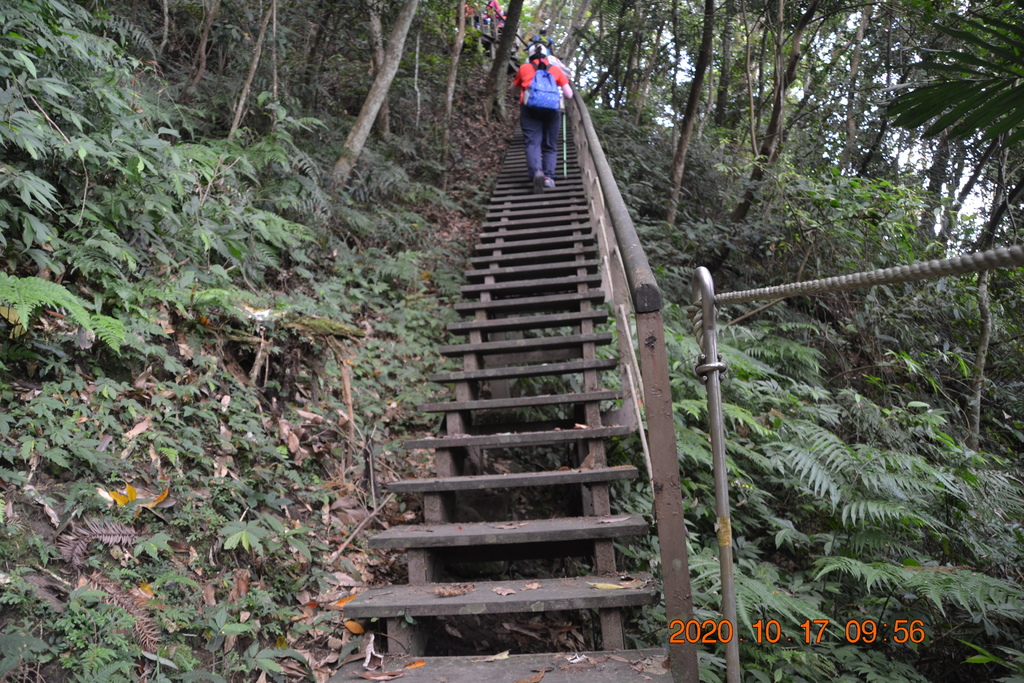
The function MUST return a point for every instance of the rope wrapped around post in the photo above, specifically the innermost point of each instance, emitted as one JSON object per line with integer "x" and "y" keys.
{"x": 1004, "y": 257}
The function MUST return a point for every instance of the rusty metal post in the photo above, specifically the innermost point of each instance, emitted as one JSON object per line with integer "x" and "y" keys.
{"x": 668, "y": 497}
{"x": 709, "y": 369}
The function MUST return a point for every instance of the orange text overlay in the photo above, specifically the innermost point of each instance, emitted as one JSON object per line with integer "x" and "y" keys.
{"x": 867, "y": 631}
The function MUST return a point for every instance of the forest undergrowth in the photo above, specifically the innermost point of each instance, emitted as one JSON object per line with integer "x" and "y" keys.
{"x": 208, "y": 366}
{"x": 210, "y": 359}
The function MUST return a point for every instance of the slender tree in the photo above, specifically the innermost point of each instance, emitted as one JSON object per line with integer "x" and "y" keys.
{"x": 257, "y": 50}
{"x": 375, "y": 98}
{"x": 851, "y": 91}
{"x": 785, "y": 75}
{"x": 497, "y": 78}
{"x": 377, "y": 43}
{"x": 725, "y": 73}
{"x": 449, "y": 91}
{"x": 210, "y": 8}
{"x": 690, "y": 114}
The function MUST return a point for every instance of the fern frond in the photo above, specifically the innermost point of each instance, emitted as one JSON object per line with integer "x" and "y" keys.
{"x": 862, "y": 511}
{"x": 760, "y": 591}
{"x": 28, "y": 294}
{"x": 885, "y": 574}
{"x": 744, "y": 417}
{"x": 129, "y": 33}
{"x": 145, "y": 629}
{"x": 73, "y": 543}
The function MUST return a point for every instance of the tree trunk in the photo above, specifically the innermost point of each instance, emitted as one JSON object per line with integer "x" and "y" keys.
{"x": 449, "y": 93}
{"x": 938, "y": 175}
{"x": 383, "y": 122}
{"x": 273, "y": 53}
{"x": 538, "y": 16}
{"x": 950, "y": 221}
{"x": 645, "y": 83}
{"x": 771, "y": 142}
{"x": 980, "y": 358}
{"x": 572, "y": 35}
{"x": 690, "y": 115}
{"x": 494, "y": 92}
{"x": 166, "y": 28}
{"x": 378, "y": 92}
{"x": 725, "y": 74}
{"x": 253, "y": 64}
{"x": 851, "y": 91}
{"x": 312, "y": 66}
{"x": 748, "y": 71}
{"x": 200, "y": 61}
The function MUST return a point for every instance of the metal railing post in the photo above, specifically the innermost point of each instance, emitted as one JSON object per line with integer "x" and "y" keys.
{"x": 709, "y": 369}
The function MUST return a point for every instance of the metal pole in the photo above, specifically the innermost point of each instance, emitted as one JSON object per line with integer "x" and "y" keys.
{"x": 709, "y": 369}
{"x": 565, "y": 147}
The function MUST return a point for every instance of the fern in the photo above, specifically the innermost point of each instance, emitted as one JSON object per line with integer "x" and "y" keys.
{"x": 144, "y": 629}
{"x": 981, "y": 596}
{"x": 73, "y": 543}
{"x": 760, "y": 593}
{"x": 129, "y": 33}
{"x": 26, "y": 295}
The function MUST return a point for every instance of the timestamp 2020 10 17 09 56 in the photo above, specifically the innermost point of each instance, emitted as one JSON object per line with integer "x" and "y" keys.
{"x": 812, "y": 631}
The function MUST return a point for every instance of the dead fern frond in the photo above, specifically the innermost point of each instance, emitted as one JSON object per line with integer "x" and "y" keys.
{"x": 74, "y": 543}
{"x": 145, "y": 630}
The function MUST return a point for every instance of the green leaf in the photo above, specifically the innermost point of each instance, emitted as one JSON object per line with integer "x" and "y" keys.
{"x": 235, "y": 629}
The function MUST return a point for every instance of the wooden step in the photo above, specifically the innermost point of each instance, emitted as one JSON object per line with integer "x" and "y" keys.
{"x": 522, "y": 272}
{"x": 547, "y": 199}
{"x": 482, "y": 482}
{"x": 530, "y": 245}
{"x": 612, "y": 666}
{"x": 523, "y": 401}
{"x": 523, "y": 184}
{"x": 509, "y": 233}
{"x": 569, "y": 301}
{"x": 464, "y": 534}
{"x": 564, "y": 190}
{"x": 504, "y": 597}
{"x": 518, "y": 177}
{"x": 519, "y": 439}
{"x": 548, "y": 284}
{"x": 528, "y": 344}
{"x": 537, "y": 221}
{"x": 515, "y": 371}
{"x": 540, "y": 256}
{"x": 541, "y": 209}
{"x": 528, "y": 322}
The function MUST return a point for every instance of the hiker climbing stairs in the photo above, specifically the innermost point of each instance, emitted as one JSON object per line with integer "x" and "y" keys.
{"x": 533, "y": 392}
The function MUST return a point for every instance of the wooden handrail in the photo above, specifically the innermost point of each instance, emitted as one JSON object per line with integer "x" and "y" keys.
{"x": 627, "y": 270}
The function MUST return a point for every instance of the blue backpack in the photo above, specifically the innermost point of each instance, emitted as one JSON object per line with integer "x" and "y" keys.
{"x": 543, "y": 92}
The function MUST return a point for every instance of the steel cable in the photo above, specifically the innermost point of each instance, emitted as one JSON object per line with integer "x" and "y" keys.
{"x": 925, "y": 270}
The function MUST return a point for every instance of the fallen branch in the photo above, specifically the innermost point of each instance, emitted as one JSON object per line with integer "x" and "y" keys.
{"x": 337, "y": 553}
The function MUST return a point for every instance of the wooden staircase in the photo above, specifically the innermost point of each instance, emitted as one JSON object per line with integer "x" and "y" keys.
{"x": 535, "y": 404}
{"x": 532, "y": 389}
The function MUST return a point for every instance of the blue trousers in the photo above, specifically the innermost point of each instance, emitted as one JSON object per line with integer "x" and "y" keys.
{"x": 540, "y": 138}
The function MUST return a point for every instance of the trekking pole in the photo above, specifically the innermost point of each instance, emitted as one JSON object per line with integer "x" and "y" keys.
{"x": 565, "y": 147}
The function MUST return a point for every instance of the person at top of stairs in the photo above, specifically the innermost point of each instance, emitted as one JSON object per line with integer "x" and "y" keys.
{"x": 540, "y": 86}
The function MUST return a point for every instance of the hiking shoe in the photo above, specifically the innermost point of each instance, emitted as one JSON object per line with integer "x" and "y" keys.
{"x": 538, "y": 182}
{"x": 549, "y": 182}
